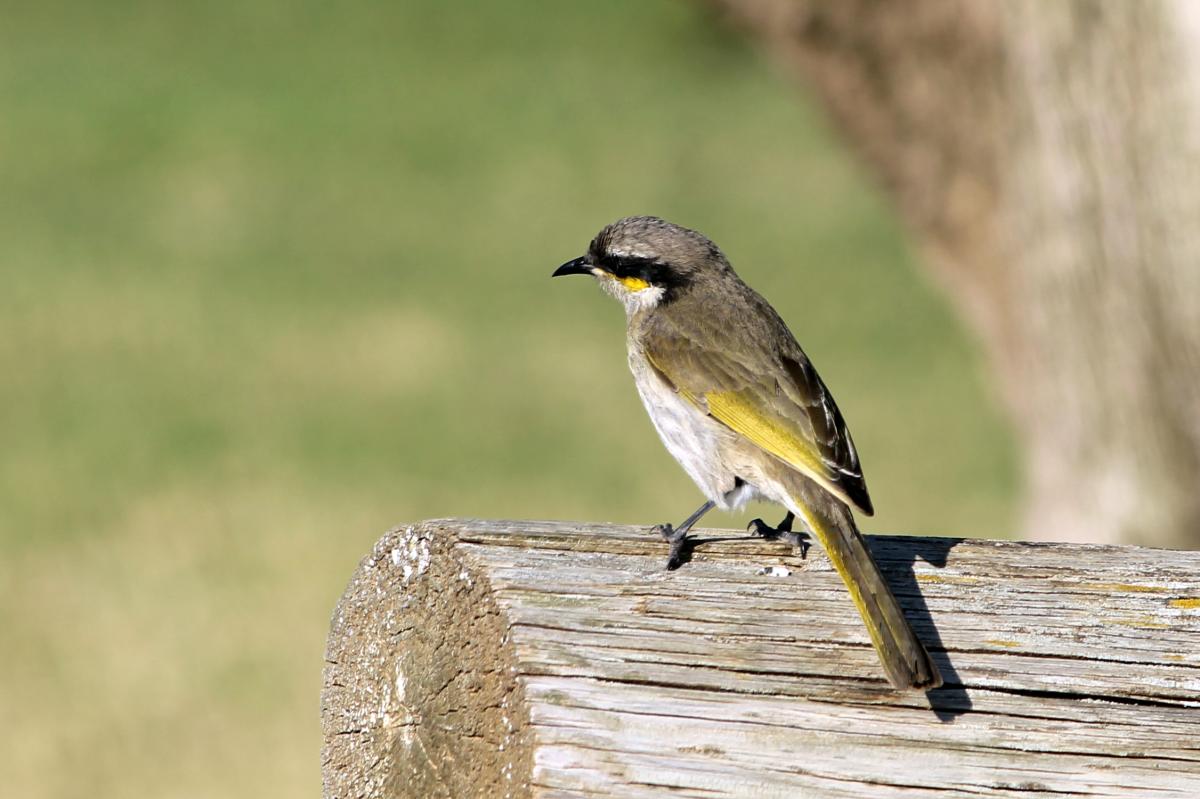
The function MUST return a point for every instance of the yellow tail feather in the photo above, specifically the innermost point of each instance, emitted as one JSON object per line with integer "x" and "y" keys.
{"x": 904, "y": 658}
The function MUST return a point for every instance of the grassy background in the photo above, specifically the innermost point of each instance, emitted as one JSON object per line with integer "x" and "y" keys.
{"x": 275, "y": 277}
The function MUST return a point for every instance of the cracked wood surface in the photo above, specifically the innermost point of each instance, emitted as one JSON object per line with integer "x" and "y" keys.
{"x": 558, "y": 659}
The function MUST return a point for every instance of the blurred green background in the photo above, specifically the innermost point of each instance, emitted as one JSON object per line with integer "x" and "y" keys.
{"x": 276, "y": 276}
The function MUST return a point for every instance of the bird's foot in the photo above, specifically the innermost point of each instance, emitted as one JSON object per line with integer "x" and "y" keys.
{"x": 782, "y": 532}
{"x": 681, "y": 548}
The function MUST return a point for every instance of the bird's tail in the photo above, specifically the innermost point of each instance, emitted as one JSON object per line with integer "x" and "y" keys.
{"x": 904, "y": 657}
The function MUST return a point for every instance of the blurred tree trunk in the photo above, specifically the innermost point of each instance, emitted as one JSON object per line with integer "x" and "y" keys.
{"x": 1047, "y": 157}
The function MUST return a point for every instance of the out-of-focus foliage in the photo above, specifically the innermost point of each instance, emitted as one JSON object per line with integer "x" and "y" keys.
{"x": 275, "y": 276}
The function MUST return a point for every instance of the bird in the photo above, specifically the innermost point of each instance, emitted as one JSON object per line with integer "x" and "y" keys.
{"x": 739, "y": 405}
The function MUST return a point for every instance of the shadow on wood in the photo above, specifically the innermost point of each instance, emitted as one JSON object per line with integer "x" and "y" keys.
{"x": 484, "y": 658}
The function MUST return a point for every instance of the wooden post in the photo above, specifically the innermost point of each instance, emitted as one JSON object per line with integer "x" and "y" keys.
{"x": 521, "y": 659}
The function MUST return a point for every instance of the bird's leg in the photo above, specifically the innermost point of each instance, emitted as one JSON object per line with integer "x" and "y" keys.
{"x": 782, "y": 531}
{"x": 677, "y": 536}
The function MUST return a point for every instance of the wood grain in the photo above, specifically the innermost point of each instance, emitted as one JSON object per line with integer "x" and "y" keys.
{"x": 550, "y": 659}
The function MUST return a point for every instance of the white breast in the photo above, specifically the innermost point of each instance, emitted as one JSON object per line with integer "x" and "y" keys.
{"x": 692, "y": 438}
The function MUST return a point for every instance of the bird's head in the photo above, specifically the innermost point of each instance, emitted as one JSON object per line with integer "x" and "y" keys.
{"x": 645, "y": 261}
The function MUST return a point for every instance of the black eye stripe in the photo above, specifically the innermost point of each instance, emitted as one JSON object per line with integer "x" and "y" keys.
{"x": 655, "y": 272}
{"x": 626, "y": 265}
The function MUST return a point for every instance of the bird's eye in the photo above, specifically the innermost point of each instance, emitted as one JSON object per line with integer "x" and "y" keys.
{"x": 626, "y": 265}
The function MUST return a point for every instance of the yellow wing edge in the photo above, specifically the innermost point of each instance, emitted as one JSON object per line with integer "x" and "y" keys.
{"x": 740, "y": 414}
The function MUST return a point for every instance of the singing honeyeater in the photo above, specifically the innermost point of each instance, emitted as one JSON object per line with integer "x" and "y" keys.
{"x": 739, "y": 405}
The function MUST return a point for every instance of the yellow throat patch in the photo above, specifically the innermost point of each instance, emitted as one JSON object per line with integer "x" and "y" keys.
{"x": 634, "y": 283}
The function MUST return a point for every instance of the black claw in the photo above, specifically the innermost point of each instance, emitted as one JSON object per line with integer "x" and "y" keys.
{"x": 681, "y": 545}
{"x": 781, "y": 533}
{"x": 681, "y": 553}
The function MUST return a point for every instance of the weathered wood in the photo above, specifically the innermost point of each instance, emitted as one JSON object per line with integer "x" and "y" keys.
{"x": 483, "y": 658}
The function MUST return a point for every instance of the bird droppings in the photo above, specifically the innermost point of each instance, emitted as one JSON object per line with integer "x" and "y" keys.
{"x": 775, "y": 571}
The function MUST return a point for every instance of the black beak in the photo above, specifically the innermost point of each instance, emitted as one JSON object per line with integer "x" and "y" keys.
{"x": 577, "y": 267}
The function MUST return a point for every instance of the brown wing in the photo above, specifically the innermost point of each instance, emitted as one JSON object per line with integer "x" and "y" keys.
{"x": 752, "y": 376}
